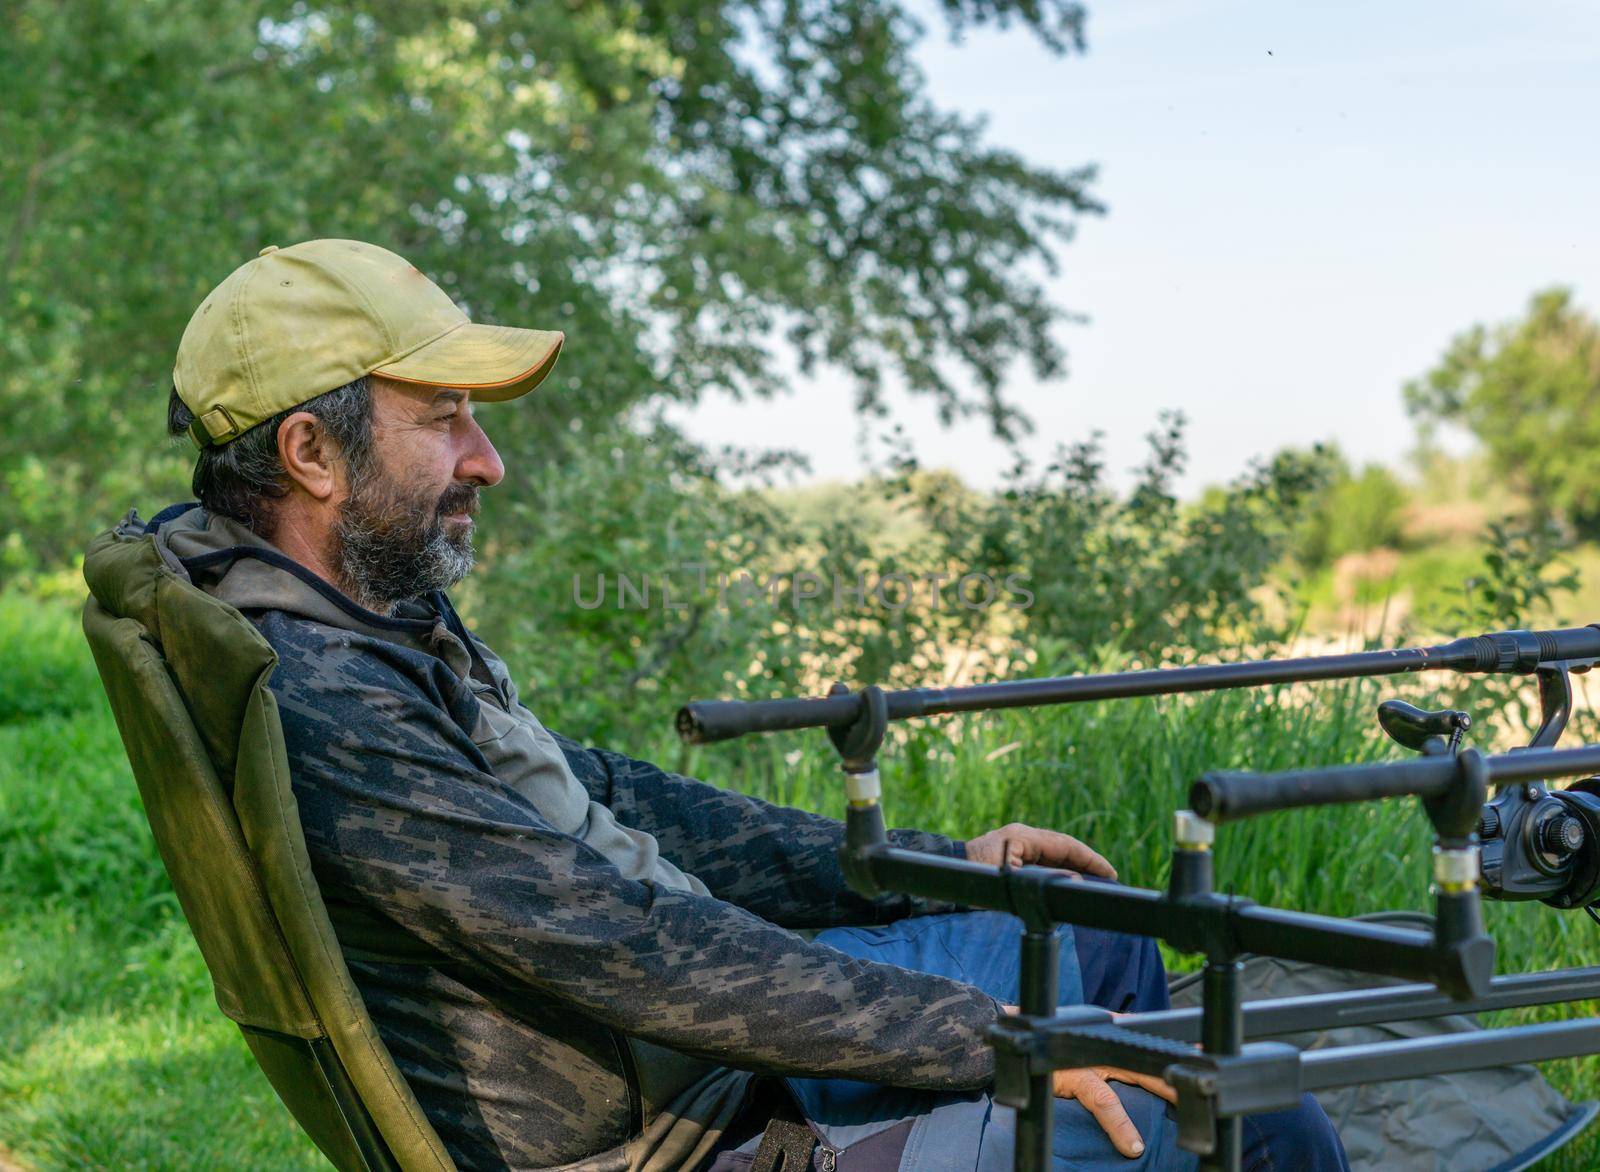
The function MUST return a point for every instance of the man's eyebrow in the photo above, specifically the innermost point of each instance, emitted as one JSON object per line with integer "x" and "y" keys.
{"x": 446, "y": 396}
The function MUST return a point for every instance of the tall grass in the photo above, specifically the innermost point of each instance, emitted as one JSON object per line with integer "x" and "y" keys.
{"x": 112, "y": 1052}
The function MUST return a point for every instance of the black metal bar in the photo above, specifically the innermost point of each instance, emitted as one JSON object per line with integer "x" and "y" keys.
{"x": 1348, "y": 944}
{"x": 704, "y": 721}
{"x": 1328, "y": 1011}
{"x": 1226, "y": 796}
{"x": 1223, "y": 796}
{"x": 1077, "y": 1037}
{"x": 1040, "y": 993}
{"x": 1418, "y": 1057}
{"x": 1539, "y": 764}
{"x": 1189, "y": 925}
{"x": 1222, "y": 1035}
{"x": 1269, "y": 1075}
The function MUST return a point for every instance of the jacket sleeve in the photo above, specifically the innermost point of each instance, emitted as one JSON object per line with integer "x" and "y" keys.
{"x": 402, "y": 816}
{"x": 778, "y": 862}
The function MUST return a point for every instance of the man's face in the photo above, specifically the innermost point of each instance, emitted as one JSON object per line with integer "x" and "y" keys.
{"x": 405, "y": 526}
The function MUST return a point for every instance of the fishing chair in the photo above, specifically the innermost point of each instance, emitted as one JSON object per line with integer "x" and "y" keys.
{"x": 186, "y": 676}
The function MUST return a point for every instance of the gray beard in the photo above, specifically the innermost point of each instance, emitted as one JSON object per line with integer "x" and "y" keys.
{"x": 389, "y": 548}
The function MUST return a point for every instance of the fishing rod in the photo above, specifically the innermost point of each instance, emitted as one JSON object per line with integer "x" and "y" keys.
{"x": 1528, "y": 842}
{"x": 701, "y": 722}
{"x": 1535, "y": 844}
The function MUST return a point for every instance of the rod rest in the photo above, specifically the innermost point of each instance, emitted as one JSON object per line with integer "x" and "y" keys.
{"x": 1265, "y": 1074}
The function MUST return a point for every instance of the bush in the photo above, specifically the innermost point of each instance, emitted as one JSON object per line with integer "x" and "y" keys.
{"x": 1355, "y": 512}
{"x": 1141, "y": 573}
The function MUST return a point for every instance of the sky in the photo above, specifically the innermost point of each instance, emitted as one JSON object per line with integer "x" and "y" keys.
{"x": 1305, "y": 202}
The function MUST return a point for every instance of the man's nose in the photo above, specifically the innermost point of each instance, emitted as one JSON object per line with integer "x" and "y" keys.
{"x": 478, "y": 460}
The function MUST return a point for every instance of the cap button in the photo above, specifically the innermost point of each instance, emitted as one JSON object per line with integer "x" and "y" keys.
{"x": 267, "y": 249}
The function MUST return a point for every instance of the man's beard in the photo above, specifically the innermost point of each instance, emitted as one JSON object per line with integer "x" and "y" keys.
{"x": 391, "y": 544}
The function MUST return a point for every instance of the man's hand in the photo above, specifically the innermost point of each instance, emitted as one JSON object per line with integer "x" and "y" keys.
{"x": 1091, "y": 1086}
{"x": 1015, "y": 844}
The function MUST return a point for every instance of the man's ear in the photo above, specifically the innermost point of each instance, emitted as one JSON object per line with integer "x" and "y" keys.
{"x": 307, "y": 455}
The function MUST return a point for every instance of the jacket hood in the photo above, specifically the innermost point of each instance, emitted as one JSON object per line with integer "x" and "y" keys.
{"x": 232, "y": 564}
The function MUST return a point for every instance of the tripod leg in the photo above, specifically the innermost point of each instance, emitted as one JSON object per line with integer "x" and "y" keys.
{"x": 1040, "y": 991}
{"x": 1222, "y": 1032}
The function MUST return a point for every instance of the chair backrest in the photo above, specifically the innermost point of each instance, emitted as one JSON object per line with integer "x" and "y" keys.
{"x": 186, "y": 676}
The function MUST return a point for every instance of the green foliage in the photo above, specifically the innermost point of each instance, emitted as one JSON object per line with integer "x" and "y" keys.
{"x": 681, "y": 186}
{"x": 1142, "y": 572}
{"x": 1523, "y": 573}
{"x": 1055, "y": 569}
{"x": 90, "y": 841}
{"x": 1529, "y": 390}
{"x": 1354, "y": 513}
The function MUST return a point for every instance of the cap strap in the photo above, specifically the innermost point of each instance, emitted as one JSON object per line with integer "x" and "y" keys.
{"x": 216, "y": 426}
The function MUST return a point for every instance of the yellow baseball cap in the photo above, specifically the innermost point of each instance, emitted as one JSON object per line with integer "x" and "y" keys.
{"x": 297, "y": 322}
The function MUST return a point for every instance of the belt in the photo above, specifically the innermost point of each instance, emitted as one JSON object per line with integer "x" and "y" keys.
{"x": 787, "y": 1142}
{"x": 786, "y": 1146}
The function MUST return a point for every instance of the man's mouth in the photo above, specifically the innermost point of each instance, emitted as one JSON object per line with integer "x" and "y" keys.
{"x": 459, "y": 507}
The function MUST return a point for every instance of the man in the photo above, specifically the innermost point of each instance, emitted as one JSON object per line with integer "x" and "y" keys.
{"x": 577, "y": 959}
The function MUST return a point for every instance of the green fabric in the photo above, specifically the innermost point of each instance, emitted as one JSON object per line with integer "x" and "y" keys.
{"x": 186, "y": 677}
{"x": 290, "y": 1068}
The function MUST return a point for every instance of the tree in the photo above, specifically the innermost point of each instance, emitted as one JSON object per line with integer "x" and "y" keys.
{"x": 681, "y": 185}
{"x": 1355, "y": 512}
{"x": 1529, "y": 390}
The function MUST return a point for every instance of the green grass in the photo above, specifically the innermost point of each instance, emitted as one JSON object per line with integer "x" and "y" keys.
{"x": 113, "y": 1054}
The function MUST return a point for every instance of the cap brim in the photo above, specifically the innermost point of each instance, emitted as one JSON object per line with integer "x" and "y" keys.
{"x": 494, "y": 362}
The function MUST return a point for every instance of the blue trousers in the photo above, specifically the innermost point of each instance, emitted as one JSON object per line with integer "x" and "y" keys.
{"x": 972, "y": 1133}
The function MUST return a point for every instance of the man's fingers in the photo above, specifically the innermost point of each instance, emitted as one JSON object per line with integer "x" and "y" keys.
{"x": 1095, "y": 863}
{"x": 1017, "y": 845}
{"x": 1062, "y": 850}
{"x": 1096, "y": 1094}
{"x": 1148, "y": 1082}
{"x": 1091, "y": 1086}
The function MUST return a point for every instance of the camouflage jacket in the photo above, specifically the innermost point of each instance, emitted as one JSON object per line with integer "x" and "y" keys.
{"x": 549, "y": 1010}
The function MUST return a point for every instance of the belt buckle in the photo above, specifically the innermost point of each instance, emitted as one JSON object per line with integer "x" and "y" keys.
{"x": 785, "y": 1147}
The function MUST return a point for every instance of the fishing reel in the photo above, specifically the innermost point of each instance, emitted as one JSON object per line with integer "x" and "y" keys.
{"x": 1540, "y": 843}
{"x": 1535, "y": 842}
